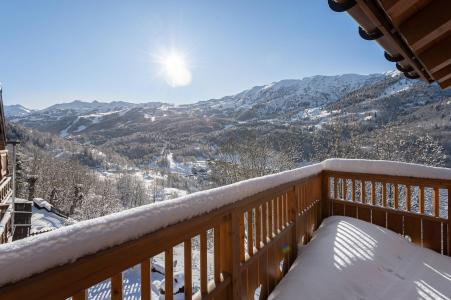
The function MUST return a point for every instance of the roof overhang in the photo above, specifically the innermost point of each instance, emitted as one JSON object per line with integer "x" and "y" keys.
{"x": 416, "y": 34}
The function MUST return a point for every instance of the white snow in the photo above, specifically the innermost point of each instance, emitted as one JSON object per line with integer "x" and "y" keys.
{"x": 42, "y": 203}
{"x": 42, "y": 220}
{"x": 353, "y": 259}
{"x": 29, "y": 256}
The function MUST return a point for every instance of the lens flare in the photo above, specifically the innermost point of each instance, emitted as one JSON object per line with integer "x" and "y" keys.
{"x": 174, "y": 68}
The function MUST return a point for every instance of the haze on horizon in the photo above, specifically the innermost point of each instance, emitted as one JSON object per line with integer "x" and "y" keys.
{"x": 145, "y": 51}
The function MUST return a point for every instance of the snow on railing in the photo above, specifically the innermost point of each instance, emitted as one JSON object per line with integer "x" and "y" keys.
{"x": 36, "y": 254}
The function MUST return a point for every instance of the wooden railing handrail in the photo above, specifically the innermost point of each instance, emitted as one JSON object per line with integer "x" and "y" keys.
{"x": 283, "y": 209}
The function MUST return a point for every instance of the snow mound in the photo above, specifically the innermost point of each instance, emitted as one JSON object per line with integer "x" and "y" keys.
{"x": 31, "y": 255}
{"x": 353, "y": 259}
{"x": 42, "y": 203}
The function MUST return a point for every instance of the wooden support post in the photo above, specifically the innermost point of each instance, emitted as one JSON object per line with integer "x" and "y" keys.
{"x": 203, "y": 264}
{"x": 395, "y": 195}
{"x": 116, "y": 287}
{"x": 145, "y": 280}
{"x": 187, "y": 260}
{"x": 436, "y": 202}
{"x": 168, "y": 274}
{"x": 408, "y": 198}
{"x": 421, "y": 199}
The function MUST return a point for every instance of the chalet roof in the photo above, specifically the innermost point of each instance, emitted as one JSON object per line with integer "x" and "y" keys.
{"x": 416, "y": 34}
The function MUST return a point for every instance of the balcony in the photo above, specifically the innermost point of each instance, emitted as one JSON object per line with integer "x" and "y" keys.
{"x": 255, "y": 226}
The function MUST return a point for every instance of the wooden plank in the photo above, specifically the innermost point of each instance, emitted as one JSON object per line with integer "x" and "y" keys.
{"x": 187, "y": 267}
{"x": 421, "y": 199}
{"x": 258, "y": 227}
{"x": 335, "y": 188}
{"x": 412, "y": 228}
{"x": 353, "y": 190}
{"x": 338, "y": 209}
{"x": 145, "y": 279}
{"x": 270, "y": 219}
{"x": 408, "y": 198}
{"x": 395, "y": 195}
{"x": 217, "y": 255}
{"x": 379, "y": 217}
{"x": 437, "y": 56}
{"x": 364, "y": 214}
{"x": 282, "y": 212}
{"x": 242, "y": 237}
{"x": 203, "y": 264}
{"x": 263, "y": 275}
{"x": 264, "y": 223}
{"x": 116, "y": 287}
{"x": 279, "y": 214}
{"x": 373, "y": 193}
{"x": 168, "y": 274}
{"x": 81, "y": 295}
{"x": 350, "y": 210}
{"x": 344, "y": 187}
{"x": 395, "y": 222}
{"x": 436, "y": 201}
{"x": 428, "y": 24}
{"x": 384, "y": 194}
{"x": 363, "y": 191}
{"x": 250, "y": 238}
{"x": 432, "y": 235}
{"x": 445, "y": 239}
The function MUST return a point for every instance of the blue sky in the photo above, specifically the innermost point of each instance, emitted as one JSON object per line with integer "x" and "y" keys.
{"x": 59, "y": 51}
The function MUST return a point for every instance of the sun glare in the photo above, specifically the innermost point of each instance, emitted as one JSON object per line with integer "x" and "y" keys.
{"x": 175, "y": 68}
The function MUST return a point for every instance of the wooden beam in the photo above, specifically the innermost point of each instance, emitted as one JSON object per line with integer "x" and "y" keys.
{"x": 438, "y": 56}
{"x": 428, "y": 24}
{"x": 442, "y": 74}
{"x": 445, "y": 84}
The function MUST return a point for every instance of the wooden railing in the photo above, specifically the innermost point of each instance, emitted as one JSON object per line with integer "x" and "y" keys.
{"x": 5, "y": 189}
{"x": 413, "y": 207}
{"x": 254, "y": 240}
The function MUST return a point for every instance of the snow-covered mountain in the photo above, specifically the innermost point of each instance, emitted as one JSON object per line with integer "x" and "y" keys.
{"x": 288, "y": 96}
{"x": 16, "y": 110}
{"x": 311, "y": 98}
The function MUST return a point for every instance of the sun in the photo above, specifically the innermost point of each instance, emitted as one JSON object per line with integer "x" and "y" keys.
{"x": 174, "y": 68}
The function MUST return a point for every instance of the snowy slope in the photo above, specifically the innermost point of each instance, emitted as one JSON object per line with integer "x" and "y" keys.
{"x": 353, "y": 259}
{"x": 16, "y": 110}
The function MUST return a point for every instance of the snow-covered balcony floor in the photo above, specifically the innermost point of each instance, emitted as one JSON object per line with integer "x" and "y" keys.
{"x": 352, "y": 259}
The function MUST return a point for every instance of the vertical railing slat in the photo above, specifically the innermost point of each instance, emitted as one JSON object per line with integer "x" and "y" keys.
{"x": 363, "y": 191}
{"x": 187, "y": 260}
{"x": 203, "y": 264}
{"x": 258, "y": 227}
{"x": 353, "y": 190}
{"x": 264, "y": 223}
{"x": 396, "y": 195}
{"x": 270, "y": 218}
{"x": 436, "y": 202}
{"x": 145, "y": 279}
{"x": 250, "y": 239}
{"x": 421, "y": 199}
{"x": 217, "y": 255}
{"x": 116, "y": 287}
{"x": 384, "y": 194}
{"x": 408, "y": 198}
{"x": 242, "y": 235}
{"x": 373, "y": 193}
{"x": 168, "y": 274}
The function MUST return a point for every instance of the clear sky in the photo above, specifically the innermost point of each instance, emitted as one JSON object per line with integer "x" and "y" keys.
{"x": 59, "y": 51}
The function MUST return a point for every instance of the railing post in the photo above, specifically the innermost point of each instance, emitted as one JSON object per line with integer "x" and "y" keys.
{"x": 325, "y": 201}
{"x": 230, "y": 260}
{"x": 292, "y": 216}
